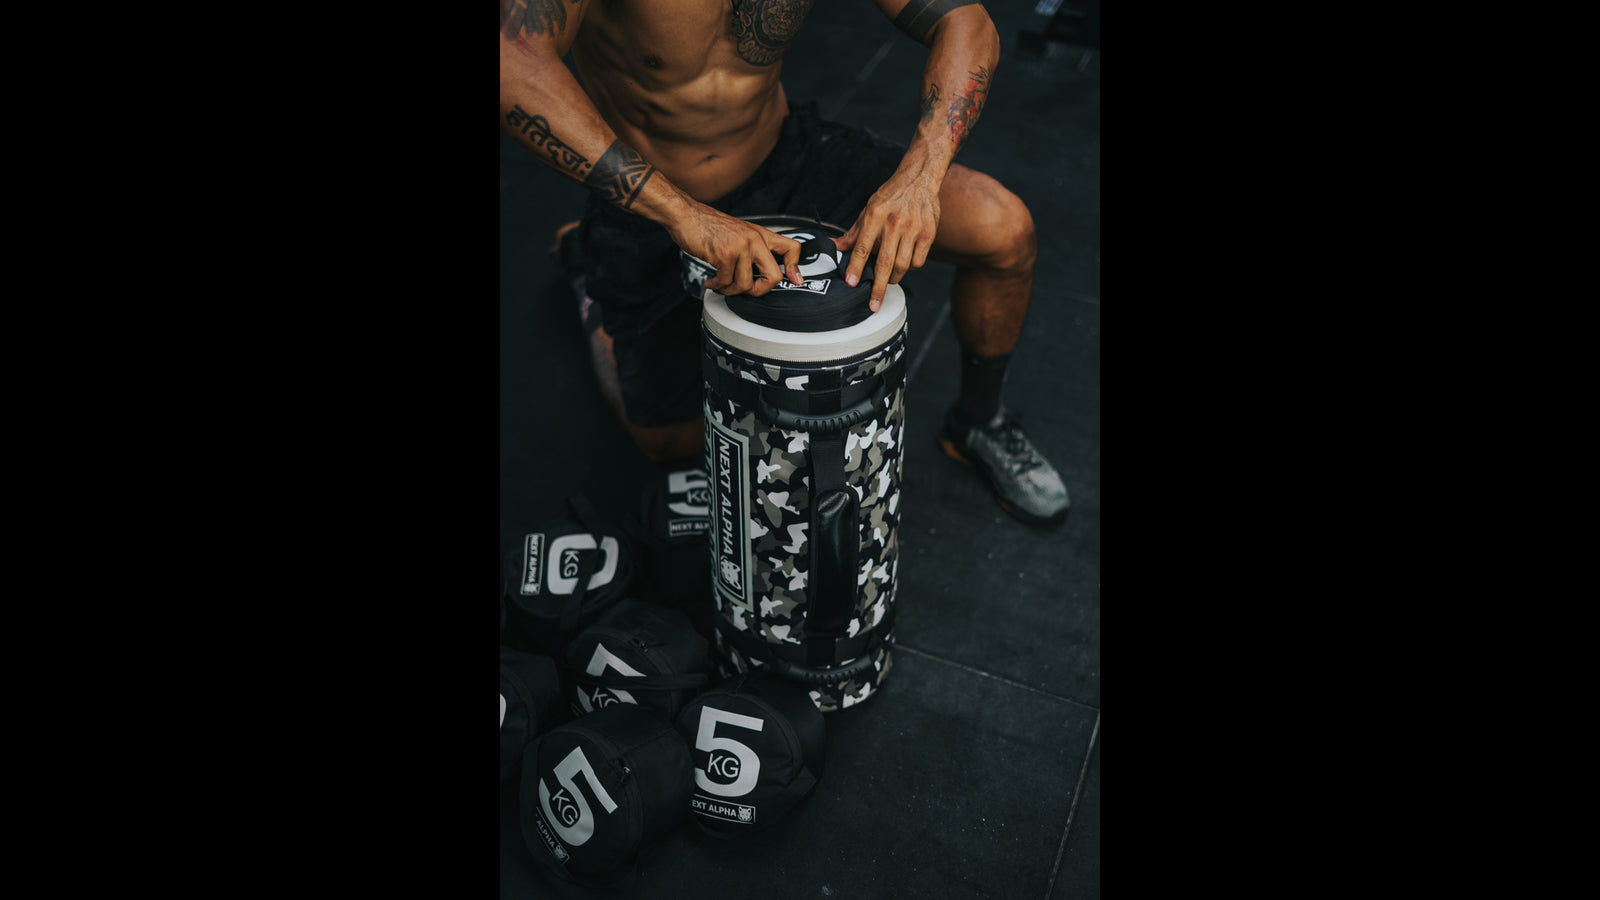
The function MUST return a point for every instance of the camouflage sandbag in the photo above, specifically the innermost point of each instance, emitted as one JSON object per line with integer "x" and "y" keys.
{"x": 804, "y": 431}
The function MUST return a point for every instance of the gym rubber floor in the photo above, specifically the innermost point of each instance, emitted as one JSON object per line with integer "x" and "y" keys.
{"x": 975, "y": 771}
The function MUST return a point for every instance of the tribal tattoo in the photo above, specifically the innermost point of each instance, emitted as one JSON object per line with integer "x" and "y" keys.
{"x": 919, "y": 16}
{"x": 967, "y": 105}
{"x": 764, "y": 29}
{"x": 619, "y": 175}
{"x": 547, "y": 17}
{"x": 536, "y": 129}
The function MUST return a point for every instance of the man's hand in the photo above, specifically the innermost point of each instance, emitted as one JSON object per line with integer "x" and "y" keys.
{"x": 740, "y": 251}
{"x": 899, "y": 222}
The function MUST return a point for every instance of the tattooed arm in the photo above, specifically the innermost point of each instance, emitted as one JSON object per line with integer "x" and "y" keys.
{"x": 901, "y": 219}
{"x": 545, "y": 110}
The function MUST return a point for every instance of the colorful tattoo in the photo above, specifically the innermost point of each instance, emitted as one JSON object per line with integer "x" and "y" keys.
{"x": 619, "y": 175}
{"x": 919, "y": 16}
{"x": 764, "y": 29}
{"x": 547, "y": 17}
{"x": 966, "y": 106}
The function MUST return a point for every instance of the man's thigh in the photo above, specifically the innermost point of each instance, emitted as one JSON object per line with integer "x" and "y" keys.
{"x": 980, "y": 220}
{"x": 658, "y": 369}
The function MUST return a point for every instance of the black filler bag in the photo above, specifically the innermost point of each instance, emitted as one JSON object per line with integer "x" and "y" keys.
{"x": 530, "y": 704}
{"x": 599, "y": 787}
{"x": 757, "y": 744}
{"x": 638, "y": 653}
{"x": 560, "y": 576}
{"x": 670, "y": 532}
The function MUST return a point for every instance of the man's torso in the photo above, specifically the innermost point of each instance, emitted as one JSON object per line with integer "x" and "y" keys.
{"x": 693, "y": 85}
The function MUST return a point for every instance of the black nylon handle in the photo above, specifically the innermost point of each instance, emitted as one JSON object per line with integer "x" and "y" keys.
{"x": 835, "y": 536}
{"x": 827, "y": 423}
{"x": 820, "y": 676}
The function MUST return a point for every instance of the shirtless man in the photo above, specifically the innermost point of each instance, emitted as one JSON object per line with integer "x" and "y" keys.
{"x": 681, "y": 126}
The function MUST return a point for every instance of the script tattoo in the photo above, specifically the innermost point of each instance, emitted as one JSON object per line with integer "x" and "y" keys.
{"x": 534, "y": 17}
{"x": 966, "y": 106}
{"x": 928, "y": 101}
{"x": 619, "y": 175}
{"x": 919, "y": 16}
{"x": 537, "y": 130}
{"x": 764, "y": 29}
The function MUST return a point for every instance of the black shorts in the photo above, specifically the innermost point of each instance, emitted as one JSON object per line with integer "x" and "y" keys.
{"x": 820, "y": 170}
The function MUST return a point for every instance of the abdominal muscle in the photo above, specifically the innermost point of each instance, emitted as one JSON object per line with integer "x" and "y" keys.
{"x": 687, "y": 102}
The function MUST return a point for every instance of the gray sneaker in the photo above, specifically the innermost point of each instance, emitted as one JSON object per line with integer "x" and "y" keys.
{"x": 1024, "y": 482}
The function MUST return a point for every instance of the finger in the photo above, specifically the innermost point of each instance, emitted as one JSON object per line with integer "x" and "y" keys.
{"x": 881, "y": 273}
{"x": 902, "y": 261}
{"x": 767, "y": 272}
{"x": 790, "y": 248}
{"x": 845, "y": 241}
{"x": 858, "y": 256}
{"x": 920, "y": 258}
{"x": 742, "y": 277}
{"x": 718, "y": 280}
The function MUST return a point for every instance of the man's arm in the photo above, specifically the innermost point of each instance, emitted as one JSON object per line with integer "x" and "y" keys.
{"x": 544, "y": 109}
{"x": 901, "y": 219}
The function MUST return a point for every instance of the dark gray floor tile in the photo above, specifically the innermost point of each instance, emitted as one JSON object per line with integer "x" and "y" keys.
{"x": 977, "y": 585}
{"x": 1078, "y": 874}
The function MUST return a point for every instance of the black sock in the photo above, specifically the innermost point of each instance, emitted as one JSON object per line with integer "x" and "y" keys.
{"x": 982, "y": 377}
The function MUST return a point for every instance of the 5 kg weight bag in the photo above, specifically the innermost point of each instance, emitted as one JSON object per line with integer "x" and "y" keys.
{"x": 805, "y": 422}
{"x": 530, "y": 704}
{"x": 638, "y": 653}
{"x": 563, "y": 575}
{"x": 757, "y": 745}
{"x": 674, "y": 516}
{"x": 597, "y": 788}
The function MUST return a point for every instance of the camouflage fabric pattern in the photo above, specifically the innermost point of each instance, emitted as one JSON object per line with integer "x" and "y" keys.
{"x": 780, "y": 514}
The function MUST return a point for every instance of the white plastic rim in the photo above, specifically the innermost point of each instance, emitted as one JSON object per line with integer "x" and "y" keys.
{"x": 801, "y": 346}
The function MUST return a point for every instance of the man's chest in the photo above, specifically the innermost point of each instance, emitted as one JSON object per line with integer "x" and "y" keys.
{"x": 764, "y": 29}
{"x": 687, "y": 34}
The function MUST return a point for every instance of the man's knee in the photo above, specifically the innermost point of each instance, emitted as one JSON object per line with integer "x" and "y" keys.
{"x": 990, "y": 227}
{"x": 1015, "y": 244}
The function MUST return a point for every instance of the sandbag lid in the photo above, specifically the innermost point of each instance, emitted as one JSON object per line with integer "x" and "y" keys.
{"x": 797, "y": 346}
{"x": 823, "y": 321}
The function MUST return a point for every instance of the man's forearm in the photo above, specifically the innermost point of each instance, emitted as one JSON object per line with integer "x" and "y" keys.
{"x": 544, "y": 109}
{"x": 963, "y": 51}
